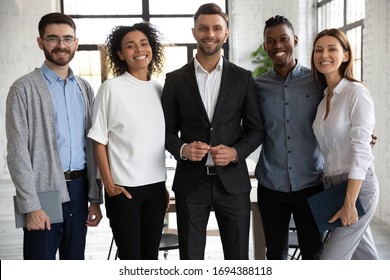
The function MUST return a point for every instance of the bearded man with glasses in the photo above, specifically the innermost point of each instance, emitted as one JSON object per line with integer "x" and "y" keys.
{"x": 48, "y": 114}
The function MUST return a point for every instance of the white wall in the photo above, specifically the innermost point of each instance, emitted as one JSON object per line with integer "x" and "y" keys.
{"x": 20, "y": 54}
{"x": 19, "y": 50}
{"x": 247, "y": 18}
{"x": 376, "y": 76}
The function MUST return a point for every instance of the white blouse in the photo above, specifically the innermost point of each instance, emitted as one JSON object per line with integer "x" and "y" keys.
{"x": 129, "y": 119}
{"x": 344, "y": 136}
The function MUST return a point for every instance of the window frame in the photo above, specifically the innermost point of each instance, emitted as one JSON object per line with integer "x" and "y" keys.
{"x": 146, "y": 16}
{"x": 346, "y": 27}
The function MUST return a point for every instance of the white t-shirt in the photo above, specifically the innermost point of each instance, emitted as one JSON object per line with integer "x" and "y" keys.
{"x": 345, "y": 135}
{"x": 129, "y": 119}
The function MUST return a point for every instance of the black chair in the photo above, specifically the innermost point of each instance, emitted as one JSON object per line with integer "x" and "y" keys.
{"x": 110, "y": 250}
{"x": 293, "y": 244}
{"x": 169, "y": 241}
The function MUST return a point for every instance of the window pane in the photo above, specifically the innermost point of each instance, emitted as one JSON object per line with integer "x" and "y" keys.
{"x": 175, "y": 58}
{"x": 102, "y": 7}
{"x": 331, "y": 15}
{"x": 355, "y": 10}
{"x": 95, "y": 31}
{"x": 87, "y": 65}
{"x": 355, "y": 39}
{"x": 176, "y": 30}
{"x": 179, "y": 6}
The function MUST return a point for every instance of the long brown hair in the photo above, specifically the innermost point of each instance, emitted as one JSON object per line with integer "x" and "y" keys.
{"x": 346, "y": 68}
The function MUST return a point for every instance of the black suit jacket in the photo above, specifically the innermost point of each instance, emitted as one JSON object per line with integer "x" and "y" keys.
{"x": 236, "y": 123}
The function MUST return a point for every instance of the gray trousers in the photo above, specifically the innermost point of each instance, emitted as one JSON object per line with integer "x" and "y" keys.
{"x": 355, "y": 241}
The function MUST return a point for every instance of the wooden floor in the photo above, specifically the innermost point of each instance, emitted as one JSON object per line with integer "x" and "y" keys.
{"x": 99, "y": 239}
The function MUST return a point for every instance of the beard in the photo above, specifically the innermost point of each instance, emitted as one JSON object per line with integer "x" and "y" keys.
{"x": 60, "y": 61}
{"x": 210, "y": 52}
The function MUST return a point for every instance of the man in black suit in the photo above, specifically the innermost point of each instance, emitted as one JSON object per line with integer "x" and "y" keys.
{"x": 213, "y": 123}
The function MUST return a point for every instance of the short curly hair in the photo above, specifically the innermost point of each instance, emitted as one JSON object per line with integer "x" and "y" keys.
{"x": 114, "y": 44}
{"x": 276, "y": 20}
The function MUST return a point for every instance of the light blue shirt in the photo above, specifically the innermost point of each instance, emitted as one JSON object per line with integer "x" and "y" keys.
{"x": 69, "y": 109}
{"x": 290, "y": 159}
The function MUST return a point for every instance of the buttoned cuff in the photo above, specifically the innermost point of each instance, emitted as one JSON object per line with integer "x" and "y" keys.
{"x": 181, "y": 151}
{"x": 236, "y": 160}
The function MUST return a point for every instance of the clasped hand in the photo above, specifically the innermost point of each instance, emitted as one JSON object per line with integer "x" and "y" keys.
{"x": 222, "y": 155}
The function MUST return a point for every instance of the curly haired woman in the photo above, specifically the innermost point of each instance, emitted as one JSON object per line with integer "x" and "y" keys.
{"x": 129, "y": 133}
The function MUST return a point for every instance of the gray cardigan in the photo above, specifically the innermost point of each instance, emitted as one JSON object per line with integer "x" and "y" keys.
{"x": 32, "y": 156}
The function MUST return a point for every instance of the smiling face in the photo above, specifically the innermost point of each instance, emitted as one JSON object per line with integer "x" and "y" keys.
{"x": 210, "y": 33}
{"x": 279, "y": 43}
{"x": 136, "y": 51}
{"x": 58, "y": 55}
{"x": 328, "y": 56}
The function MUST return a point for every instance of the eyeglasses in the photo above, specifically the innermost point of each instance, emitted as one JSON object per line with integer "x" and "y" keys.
{"x": 54, "y": 41}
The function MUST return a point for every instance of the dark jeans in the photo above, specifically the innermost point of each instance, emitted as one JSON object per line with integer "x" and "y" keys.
{"x": 276, "y": 208}
{"x": 68, "y": 237}
{"x": 232, "y": 212}
{"x": 137, "y": 223}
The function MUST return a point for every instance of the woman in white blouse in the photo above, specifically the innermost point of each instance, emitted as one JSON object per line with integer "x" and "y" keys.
{"x": 343, "y": 127}
{"x": 129, "y": 133}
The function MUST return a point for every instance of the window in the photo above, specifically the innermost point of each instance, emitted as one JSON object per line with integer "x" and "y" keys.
{"x": 172, "y": 17}
{"x": 347, "y": 15}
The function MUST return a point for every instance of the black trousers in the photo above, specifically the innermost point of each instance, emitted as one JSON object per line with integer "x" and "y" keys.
{"x": 232, "y": 212}
{"x": 137, "y": 223}
{"x": 276, "y": 208}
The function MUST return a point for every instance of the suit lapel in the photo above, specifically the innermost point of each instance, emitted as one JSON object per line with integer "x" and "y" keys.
{"x": 190, "y": 80}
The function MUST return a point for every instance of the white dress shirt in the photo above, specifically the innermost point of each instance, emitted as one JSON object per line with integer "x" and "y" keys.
{"x": 345, "y": 135}
{"x": 209, "y": 84}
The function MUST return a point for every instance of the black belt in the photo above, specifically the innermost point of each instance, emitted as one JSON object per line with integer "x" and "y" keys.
{"x": 71, "y": 175}
{"x": 211, "y": 170}
{"x": 334, "y": 180}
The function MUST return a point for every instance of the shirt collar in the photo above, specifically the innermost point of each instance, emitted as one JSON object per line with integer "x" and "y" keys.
{"x": 51, "y": 76}
{"x": 296, "y": 70}
{"x": 199, "y": 67}
{"x": 293, "y": 73}
{"x": 340, "y": 86}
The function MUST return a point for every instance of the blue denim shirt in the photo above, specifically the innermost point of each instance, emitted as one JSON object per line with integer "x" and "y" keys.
{"x": 290, "y": 159}
{"x": 70, "y": 117}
